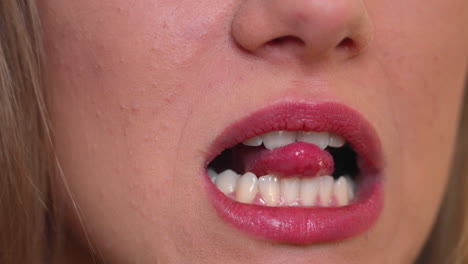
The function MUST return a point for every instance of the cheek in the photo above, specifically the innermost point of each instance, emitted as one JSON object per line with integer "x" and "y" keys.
{"x": 422, "y": 63}
{"x": 125, "y": 73}
{"x": 120, "y": 98}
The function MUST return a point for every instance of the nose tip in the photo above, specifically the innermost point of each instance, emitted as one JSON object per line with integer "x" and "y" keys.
{"x": 305, "y": 28}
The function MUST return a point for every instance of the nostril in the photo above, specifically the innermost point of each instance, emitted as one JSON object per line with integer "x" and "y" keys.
{"x": 286, "y": 41}
{"x": 347, "y": 44}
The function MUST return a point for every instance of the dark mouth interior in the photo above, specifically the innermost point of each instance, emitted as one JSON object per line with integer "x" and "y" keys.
{"x": 345, "y": 159}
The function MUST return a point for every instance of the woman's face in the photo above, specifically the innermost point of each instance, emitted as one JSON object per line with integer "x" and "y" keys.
{"x": 144, "y": 95}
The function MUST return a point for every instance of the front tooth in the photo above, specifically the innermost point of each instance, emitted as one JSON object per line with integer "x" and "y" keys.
{"x": 351, "y": 187}
{"x": 226, "y": 181}
{"x": 276, "y": 139}
{"x": 320, "y": 139}
{"x": 336, "y": 141}
{"x": 247, "y": 188}
{"x": 325, "y": 190}
{"x": 308, "y": 191}
{"x": 290, "y": 190}
{"x": 269, "y": 189}
{"x": 253, "y": 142}
{"x": 340, "y": 189}
{"x": 212, "y": 174}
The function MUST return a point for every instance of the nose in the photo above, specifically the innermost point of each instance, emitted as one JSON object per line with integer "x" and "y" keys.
{"x": 303, "y": 28}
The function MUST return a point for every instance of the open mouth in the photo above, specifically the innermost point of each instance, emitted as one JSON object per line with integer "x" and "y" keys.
{"x": 298, "y": 173}
{"x": 288, "y": 168}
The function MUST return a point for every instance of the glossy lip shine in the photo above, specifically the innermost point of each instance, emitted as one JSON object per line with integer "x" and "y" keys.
{"x": 303, "y": 225}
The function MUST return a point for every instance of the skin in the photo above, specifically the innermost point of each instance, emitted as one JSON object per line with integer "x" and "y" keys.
{"x": 138, "y": 90}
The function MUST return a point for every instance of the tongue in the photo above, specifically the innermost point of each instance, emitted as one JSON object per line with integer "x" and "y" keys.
{"x": 297, "y": 159}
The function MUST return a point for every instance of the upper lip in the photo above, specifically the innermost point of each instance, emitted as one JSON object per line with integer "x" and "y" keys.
{"x": 320, "y": 116}
{"x": 306, "y": 225}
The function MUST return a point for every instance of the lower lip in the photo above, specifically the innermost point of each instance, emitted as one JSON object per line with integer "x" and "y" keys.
{"x": 302, "y": 225}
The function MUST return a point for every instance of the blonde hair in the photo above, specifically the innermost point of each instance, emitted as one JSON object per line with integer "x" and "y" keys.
{"x": 30, "y": 225}
{"x": 27, "y": 215}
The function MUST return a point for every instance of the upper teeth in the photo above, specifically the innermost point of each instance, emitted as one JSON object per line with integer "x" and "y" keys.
{"x": 281, "y": 138}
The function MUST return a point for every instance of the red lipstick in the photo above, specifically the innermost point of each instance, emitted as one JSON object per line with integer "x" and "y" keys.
{"x": 302, "y": 225}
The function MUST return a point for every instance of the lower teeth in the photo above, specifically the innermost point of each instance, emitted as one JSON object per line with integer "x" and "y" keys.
{"x": 269, "y": 190}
